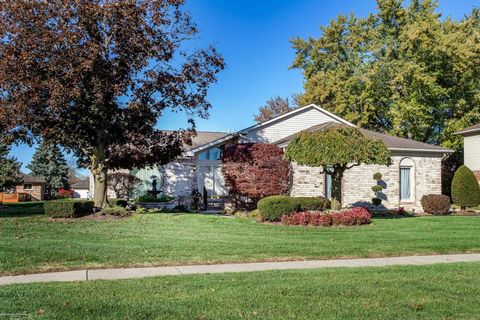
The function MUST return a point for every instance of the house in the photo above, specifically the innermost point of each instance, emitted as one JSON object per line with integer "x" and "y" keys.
{"x": 35, "y": 188}
{"x": 81, "y": 189}
{"x": 416, "y": 168}
{"x": 471, "y": 147}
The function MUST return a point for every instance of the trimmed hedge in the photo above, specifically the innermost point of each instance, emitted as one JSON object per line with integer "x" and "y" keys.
{"x": 274, "y": 207}
{"x": 68, "y": 209}
{"x": 436, "y": 204}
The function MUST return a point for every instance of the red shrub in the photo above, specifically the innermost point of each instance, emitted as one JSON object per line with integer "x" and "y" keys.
{"x": 255, "y": 170}
{"x": 65, "y": 193}
{"x": 352, "y": 217}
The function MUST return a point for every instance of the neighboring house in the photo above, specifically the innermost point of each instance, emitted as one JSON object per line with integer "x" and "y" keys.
{"x": 416, "y": 168}
{"x": 81, "y": 189}
{"x": 471, "y": 147}
{"x": 34, "y": 187}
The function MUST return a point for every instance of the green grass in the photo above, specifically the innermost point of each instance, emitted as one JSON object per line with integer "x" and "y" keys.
{"x": 34, "y": 243}
{"x": 407, "y": 292}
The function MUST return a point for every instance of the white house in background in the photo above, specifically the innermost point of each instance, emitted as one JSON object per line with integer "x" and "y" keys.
{"x": 81, "y": 189}
{"x": 471, "y": 147}
{"x": 416, "y": 168}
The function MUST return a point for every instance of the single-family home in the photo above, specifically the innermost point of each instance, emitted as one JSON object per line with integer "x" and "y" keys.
{"x": 415, "y": 171}
{"x": 471, "y": 148}
{"x": 34, "y": 187}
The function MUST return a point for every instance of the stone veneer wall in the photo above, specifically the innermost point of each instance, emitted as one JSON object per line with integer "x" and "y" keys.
{"x": 358, "y": 181}
{"x": 178, "y": 177}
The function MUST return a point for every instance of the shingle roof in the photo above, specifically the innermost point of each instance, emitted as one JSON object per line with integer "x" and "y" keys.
{"x": 204, "y": 137}
{"x": 29, "y": 178}
{"x": 392, "y": 142}
{"x": 471, "y": 129}
{"x": 82, "y": 184}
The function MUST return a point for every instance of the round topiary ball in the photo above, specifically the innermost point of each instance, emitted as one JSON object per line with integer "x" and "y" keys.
{"x": 465, "y": 188}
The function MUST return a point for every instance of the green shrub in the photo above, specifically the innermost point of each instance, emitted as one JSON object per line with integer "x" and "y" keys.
{"x": 465, "y": 188}
{"x": 68, "y": 209}
{"x": 115, "y": 211}
{"x": 272, "y": 208}
{"x": 118, "y": 203}
{"x": 436, "y": 204}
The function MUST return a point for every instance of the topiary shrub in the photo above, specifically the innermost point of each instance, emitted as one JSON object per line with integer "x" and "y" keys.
{"x": 465, "y": 188}
{"x": 436, "y": 204}
{"x": 68, "y": 209}
{"x": 272, "y": 208}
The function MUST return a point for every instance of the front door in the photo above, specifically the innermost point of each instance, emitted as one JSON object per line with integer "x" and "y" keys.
{"x": 211, "y": 180}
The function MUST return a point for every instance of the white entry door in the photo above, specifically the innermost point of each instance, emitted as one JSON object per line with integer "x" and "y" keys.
{"x": 210, "y": 179}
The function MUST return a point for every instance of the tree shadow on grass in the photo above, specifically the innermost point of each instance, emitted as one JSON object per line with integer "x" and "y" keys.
{"x": 20, "y": 210}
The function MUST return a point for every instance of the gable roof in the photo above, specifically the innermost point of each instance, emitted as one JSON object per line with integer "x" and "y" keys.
{"x": 82, "y": 184}
{"x": 472, "y": 129}
{"x": 393, "y": 143}
{"x": 227, "y": 137}
{"x": 204, "y": 137}
{"x": 298, "y": 110}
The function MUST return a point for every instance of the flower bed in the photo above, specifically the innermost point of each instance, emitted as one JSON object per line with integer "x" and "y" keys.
{"x": 350, "y": 217}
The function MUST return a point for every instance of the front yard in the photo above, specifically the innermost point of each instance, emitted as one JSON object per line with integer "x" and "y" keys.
{"x": 35, "y": 243}
{"x": 447, "y": 291}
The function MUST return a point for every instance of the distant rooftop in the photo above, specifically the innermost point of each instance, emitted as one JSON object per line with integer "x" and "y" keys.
{"x": 29, "y": 178}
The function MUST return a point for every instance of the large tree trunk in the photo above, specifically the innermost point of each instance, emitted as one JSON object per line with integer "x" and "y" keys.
{"x": 99, "y": 171}
{"x": 100, "y": 187}
{"x": 337, "y": 177}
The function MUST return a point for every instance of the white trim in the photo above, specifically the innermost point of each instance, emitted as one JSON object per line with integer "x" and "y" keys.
{"x": 467, "y": 131}
{"x": 215, "y": 142}
{"x": 422, "y": 150}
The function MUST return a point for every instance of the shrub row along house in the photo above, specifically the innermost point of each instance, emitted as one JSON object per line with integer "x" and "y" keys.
{"x": 415, "y": 169}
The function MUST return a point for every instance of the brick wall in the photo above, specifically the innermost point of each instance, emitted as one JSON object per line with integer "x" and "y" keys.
{"x": 36, "y": 193}
{"x": 357, "y": 182}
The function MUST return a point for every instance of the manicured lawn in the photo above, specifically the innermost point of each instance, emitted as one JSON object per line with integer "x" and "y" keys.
{"x": 408, "y": 292}
{"x": 37, "y": 243}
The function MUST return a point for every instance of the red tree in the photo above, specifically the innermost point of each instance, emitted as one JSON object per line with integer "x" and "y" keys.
{"x": 255, "y": 170}
{"x": 96, "y": 76}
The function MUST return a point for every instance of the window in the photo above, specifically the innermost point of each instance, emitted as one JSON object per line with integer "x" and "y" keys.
{"x": 328, "y": 184}
{"x": 212, "y": 154}
{"x": 27, "y": 186}
{"x": 406, "y": 180}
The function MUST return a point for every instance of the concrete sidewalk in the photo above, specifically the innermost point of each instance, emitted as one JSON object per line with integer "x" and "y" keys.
{"x": 131, "y": 273}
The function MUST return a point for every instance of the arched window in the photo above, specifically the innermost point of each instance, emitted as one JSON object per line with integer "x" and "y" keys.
{"x": 407, "y": 177}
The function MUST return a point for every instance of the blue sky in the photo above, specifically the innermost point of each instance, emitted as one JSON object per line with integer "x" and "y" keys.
{"x": 253, "y": 36}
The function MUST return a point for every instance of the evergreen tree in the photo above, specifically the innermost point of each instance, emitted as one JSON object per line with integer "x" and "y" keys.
{"x": 465, "y": 188}
{"x": 48, "y": 163}
{"x": 9, "y": 169}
